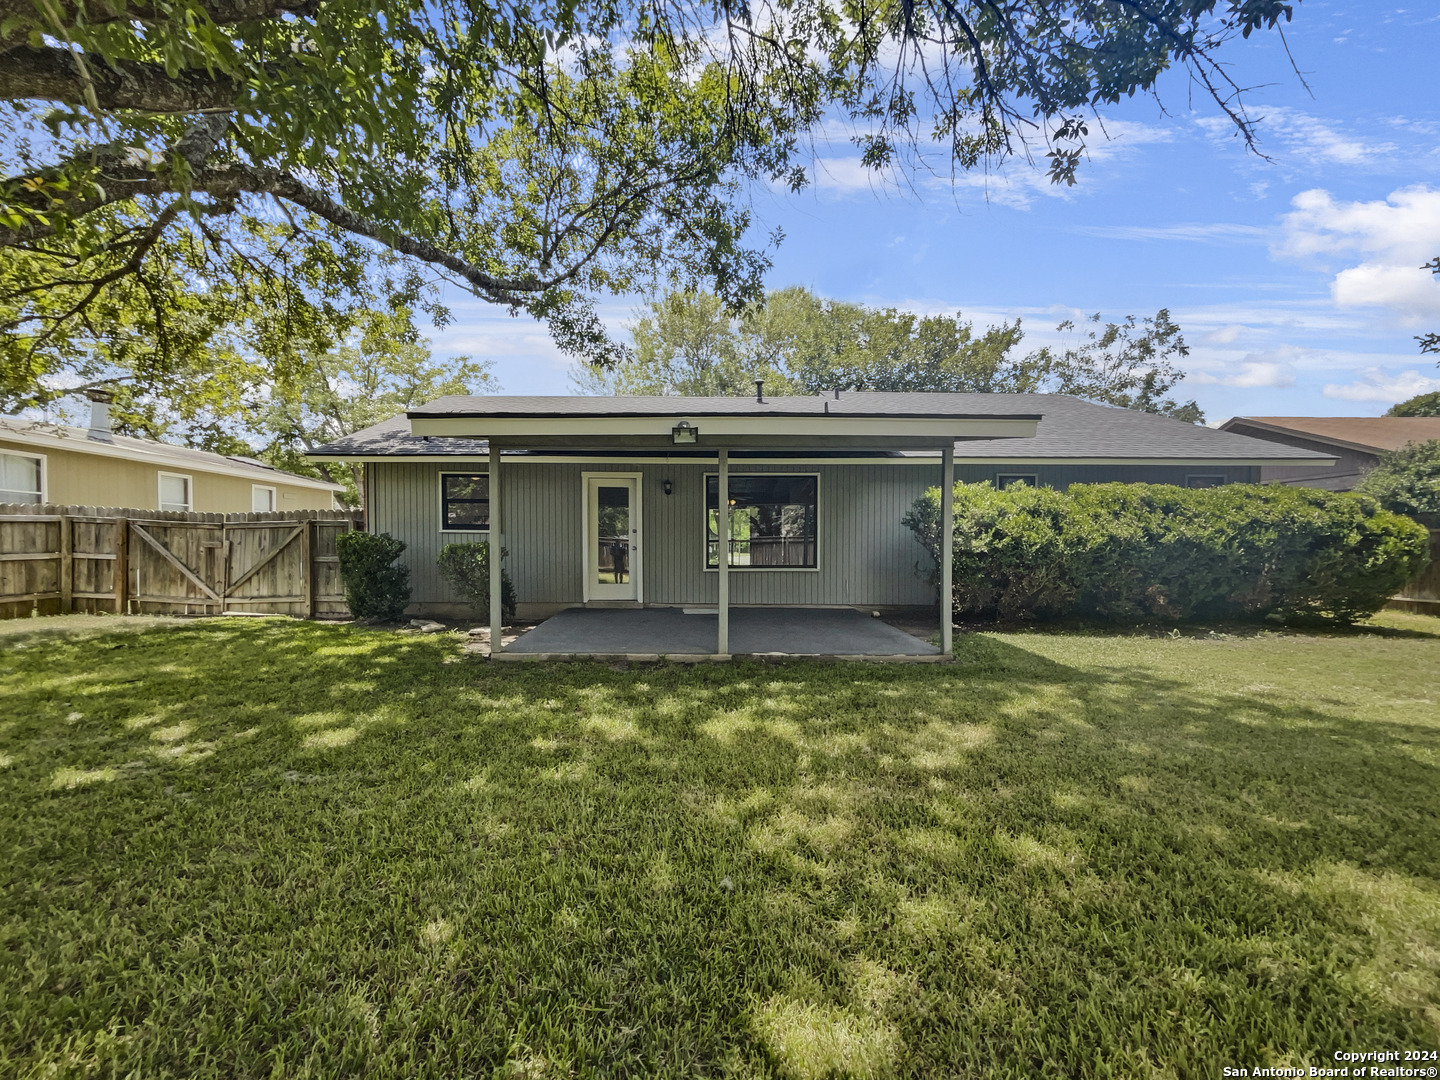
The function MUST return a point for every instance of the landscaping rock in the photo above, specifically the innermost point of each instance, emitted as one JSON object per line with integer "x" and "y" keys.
{"x": 428, "y": 626}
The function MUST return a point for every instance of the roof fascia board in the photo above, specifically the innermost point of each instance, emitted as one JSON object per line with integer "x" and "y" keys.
{"x": 910, "y": 458}
{"x": 160, "y": 459}
{"x": 729, "y": 426}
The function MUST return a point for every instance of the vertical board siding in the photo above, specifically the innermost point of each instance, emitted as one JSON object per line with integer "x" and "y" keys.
{"x": 866, "y": 556}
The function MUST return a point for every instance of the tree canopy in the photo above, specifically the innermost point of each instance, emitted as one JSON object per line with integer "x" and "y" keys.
{"x": 1407, "y": 480}
{"x": 1419, "y": 405}
{"x": 798, "y": 343}
{"x": 189, "y": 175}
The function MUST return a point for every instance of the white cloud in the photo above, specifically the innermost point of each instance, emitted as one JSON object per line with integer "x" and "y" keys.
{"x": 1213, "y": 233}
{"x": 1298, "y": 138}
{"x": 1390, "y": 239}
{"x": 1274, "y": 368}
{"x": 1377, "y": 385}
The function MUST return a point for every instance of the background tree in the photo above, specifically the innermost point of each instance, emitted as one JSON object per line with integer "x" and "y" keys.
{"x": 1407, "y": 480}
{"x": 686, "y": 343}
{"x": 383, "y": 371}
{"x": 179, "y": 170}
{"x": 1419, "y": 405}
{"x": 1130, "y": 364}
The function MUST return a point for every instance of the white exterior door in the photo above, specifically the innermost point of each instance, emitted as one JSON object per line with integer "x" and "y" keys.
{"x": 612, "y": 537}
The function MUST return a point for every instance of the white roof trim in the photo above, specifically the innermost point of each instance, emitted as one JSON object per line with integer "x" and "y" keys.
{"x": 710, "y": 427}
{"x": 44, "y": 440}
{"x": 908, "y": 458}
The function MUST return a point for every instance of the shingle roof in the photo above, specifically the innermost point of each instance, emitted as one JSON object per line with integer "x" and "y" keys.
{"x": 1071, "y": 428}
{"x": 1068, "y": 429}
{"x": 1373, "y": 433}
{"x": 41, "y": 435}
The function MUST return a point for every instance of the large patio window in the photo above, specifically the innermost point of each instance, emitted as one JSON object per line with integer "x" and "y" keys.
{"x": 465, "y": 502}
{"x": 772, "y": 521}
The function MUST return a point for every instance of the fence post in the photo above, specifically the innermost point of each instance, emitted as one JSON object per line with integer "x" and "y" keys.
{"x": 307, "y": 552}
{"x": 67, "y": 566}
{"x": 122, "y": 564}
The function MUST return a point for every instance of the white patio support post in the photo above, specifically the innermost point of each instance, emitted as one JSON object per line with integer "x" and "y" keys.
{"x": 495, "y": 542}
{"x": 947, "y": 545}
{"x": 722, "y": 507}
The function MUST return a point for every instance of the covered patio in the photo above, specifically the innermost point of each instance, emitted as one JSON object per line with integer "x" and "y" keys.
{"x": 691, "y": 633}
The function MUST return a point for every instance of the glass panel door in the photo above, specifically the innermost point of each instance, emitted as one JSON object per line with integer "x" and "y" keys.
{"x": 611, "y": 562}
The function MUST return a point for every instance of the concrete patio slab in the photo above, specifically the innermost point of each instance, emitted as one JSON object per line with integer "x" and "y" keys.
{"x": 654, "y": 632}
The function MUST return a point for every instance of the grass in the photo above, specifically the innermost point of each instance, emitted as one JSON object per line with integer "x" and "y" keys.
{"x": 254, "y": 848}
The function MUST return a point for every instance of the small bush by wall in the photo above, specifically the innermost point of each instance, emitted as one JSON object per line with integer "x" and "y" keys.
{"x": 376, "y": 587}
{"x": 1138, "y": 552}
{"x": 466, "y": 569}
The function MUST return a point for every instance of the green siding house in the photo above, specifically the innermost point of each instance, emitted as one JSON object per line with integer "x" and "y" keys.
{"x": 615, "y": 502}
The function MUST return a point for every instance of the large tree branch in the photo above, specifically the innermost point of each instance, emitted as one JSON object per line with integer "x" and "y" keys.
{"x": 118, "y": 178}
{"x": 54, "y": 74}
{"x": 221, "y": 12}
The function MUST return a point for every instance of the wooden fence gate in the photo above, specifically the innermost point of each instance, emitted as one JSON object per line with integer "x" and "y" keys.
{"x": 59, "y": 559}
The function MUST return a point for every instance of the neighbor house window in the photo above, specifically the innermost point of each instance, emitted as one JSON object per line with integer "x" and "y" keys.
{"x": 262, "y": 499}
{"x": 772, "y": 521}
{"x": 174, "y": 492}
{"x": 465, "y": 501}
{"x": 1203, "y": 480}
{"x": 22, "y": 478}
{"x": 1006, "y": 479}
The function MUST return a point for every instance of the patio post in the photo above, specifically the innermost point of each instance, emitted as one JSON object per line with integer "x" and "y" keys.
{"x": 722, "y": 512}
{"x": 947, "y": 545}
{"x": 494, "y": 542}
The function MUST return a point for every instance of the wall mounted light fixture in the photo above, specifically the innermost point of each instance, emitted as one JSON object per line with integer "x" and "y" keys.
{"x": 684, "y": 432}
{"x": 667, "y": 487}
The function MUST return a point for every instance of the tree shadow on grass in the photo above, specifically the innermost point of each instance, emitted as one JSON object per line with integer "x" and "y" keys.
{"x": 317, "y": 847}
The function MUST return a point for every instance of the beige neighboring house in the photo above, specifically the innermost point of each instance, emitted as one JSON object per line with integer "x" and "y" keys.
{"x": 1355, "y": 441}
{"x": 50, "y": 463}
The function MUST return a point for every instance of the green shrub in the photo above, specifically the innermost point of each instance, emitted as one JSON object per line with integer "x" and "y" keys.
{"x": 466, "y": 569}
{"x": 1407, "y": 480}
{"x": 1141, "y": 552}
{"x": 376, "y": 587}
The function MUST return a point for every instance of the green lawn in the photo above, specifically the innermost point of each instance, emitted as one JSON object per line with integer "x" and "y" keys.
{"x": 256, "y": 848}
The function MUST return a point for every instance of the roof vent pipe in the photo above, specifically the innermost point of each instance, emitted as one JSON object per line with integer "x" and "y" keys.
{"x": 100, "y": 415}
{"x": 760, "y": 391}
{"x": 837, "y": 393}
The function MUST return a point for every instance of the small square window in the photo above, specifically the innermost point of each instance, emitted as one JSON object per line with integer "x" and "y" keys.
{"x": 465, "y": 502}
{"x": 1004, "y": 480}
{"x": 174, "y": 492}
{"x": 262, "y": 499}
{"x": 22, "y": 478}
{"x": 1204, "y": 480}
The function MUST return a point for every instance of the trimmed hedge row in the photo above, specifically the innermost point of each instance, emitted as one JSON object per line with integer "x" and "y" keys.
{"x": 1144, "y": 552}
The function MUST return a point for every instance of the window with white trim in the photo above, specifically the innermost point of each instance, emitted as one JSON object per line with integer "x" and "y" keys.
{"x": 1204, "y": 480}
{"x": 773, "y": 521}
{"x": 1006, "y": 479}
{"x": 174, "y": 491}
{"x": 262, "y": 499}
{"x": 22, "y": 478}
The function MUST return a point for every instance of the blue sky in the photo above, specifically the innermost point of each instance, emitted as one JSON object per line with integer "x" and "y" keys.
{"x": 1295, "y": 280}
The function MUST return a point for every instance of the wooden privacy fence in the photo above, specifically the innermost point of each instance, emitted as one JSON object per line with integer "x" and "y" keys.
{"x": 1423, "y": 594}
{"x": 61, "y": 559}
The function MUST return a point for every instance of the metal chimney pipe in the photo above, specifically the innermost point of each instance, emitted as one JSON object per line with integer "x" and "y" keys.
{"x": 100, "y": 401}
{"x": 760, "y": 391}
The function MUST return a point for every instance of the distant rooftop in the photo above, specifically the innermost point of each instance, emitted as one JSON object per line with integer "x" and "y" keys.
{"x": 1372, "y": 433}
{"x": 37, "y": 433}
